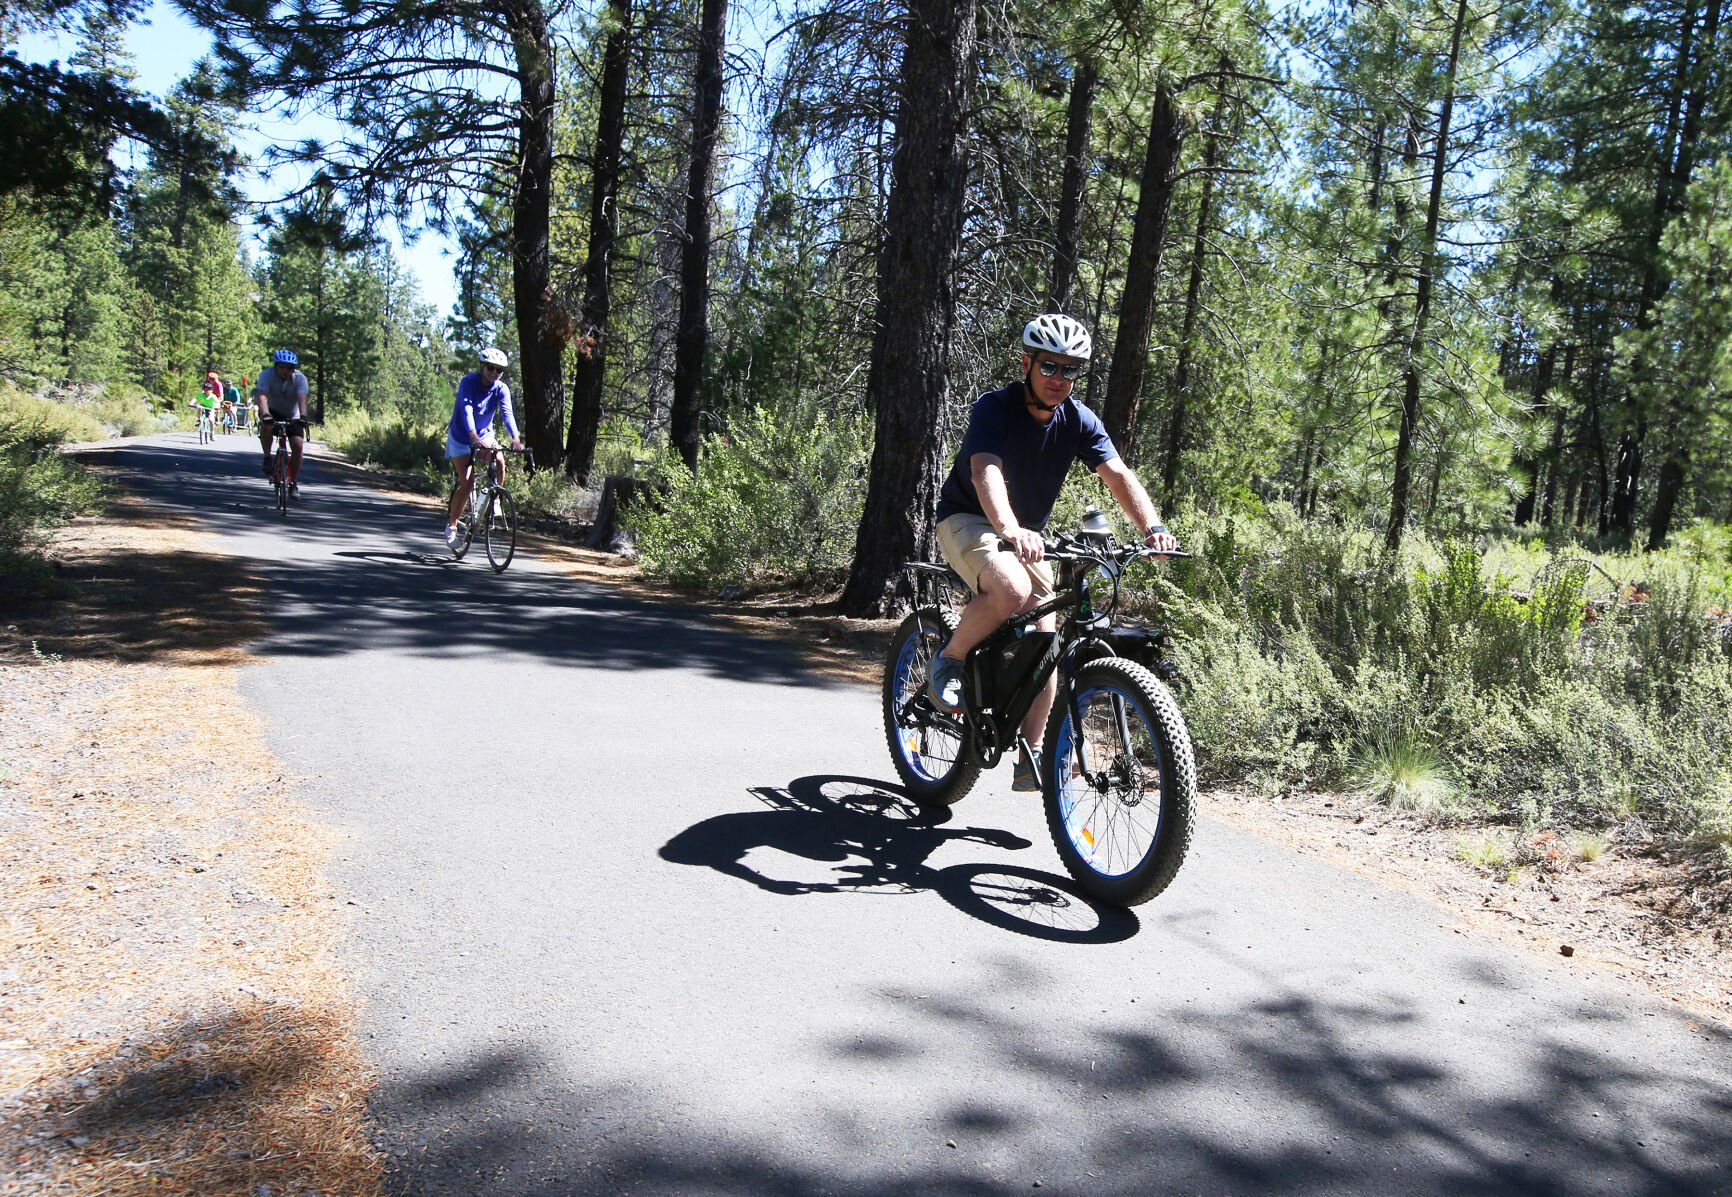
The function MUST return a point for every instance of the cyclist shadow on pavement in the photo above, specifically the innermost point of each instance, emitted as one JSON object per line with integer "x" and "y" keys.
{"x": 878, "y": 840}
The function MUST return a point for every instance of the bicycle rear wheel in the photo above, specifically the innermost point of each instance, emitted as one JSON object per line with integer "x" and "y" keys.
{"x": 929, "y": 748}
{"x": 501, "y": 530}
{"x": 1122, "y": 810}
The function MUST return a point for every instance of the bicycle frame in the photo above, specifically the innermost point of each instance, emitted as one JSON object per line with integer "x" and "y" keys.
{"x": 992, "y": 718}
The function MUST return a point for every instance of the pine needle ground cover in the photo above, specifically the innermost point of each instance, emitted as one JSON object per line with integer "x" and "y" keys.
{"x": 172, "y": 1015}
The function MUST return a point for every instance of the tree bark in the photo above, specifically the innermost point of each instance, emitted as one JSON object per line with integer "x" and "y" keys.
{"x": 1068, "y": 234}
{"x": 1679, "y": 143}
{"x": 589, "y": 372}
{"x": 1193, "y": 305}
{"x": 907, "y": 379}
{"x": 1531, "y": 466}
{"x": 542, "y": 327}
{"x": 1673, "y": 471}
{"x": 1410, "y": 389}
{"x": 691, "y": 342}
{"x": 1130, "y": 360}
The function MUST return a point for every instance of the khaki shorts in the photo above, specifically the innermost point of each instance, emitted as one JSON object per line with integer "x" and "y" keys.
{"x": 968, "y": 540}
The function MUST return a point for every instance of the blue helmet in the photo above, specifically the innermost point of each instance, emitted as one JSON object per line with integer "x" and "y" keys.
{"x": 285, "y": 357}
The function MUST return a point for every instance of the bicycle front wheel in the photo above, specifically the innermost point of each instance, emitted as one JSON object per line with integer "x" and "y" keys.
{"x": 1121, "y": 787}
{"x": 928, "y": 747}
{"x": 280, "y": 477}
{"x": 465, "y": 528}
{"x": 501, "y": 530}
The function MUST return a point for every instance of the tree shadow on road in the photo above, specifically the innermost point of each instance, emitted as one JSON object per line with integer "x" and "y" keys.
{"x": 875, "y": 839}
{"x": 1284, "y": 1095}
{"x": 349, "y": 568}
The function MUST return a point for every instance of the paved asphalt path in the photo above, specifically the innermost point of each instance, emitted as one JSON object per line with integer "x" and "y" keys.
{"x": 638, "y": 910}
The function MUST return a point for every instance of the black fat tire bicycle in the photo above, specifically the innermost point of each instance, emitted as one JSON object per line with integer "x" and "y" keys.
{"x": 490, "y": 513}
{"x": 1118, "y": 772}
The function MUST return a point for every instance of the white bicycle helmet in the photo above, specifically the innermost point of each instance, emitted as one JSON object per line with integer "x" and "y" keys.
{"x": 494, "y": 357}
{"x": 1057, "y": 333}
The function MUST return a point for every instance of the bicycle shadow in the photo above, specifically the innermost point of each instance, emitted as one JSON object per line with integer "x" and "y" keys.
{"x": 878, "y": 840}
{"x": 401, "y": 557}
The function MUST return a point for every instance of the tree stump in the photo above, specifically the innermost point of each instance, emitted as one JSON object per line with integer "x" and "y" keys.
{"x": 618, "y": 492}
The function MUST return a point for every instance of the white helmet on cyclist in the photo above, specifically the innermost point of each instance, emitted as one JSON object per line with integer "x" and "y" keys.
{"x": 492, "y": 356}
{"x": 1057, "y": 333}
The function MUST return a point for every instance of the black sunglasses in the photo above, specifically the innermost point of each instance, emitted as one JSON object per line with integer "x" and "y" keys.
{"x": 1068, "y": 373}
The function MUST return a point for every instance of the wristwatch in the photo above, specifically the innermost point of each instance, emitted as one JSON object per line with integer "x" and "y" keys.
{"x": 1154, "y": 528}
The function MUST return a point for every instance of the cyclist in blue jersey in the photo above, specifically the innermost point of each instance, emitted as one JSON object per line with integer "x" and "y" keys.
{"x": 480, "y": 397}
{"x": 1019, "y": 446}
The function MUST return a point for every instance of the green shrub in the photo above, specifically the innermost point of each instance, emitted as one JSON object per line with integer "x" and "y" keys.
{"x": 39, "y": 489}
{"x": 776, "y": 499}
{"x": 1311, "y": 654}
{"x": 1253, "y": 715}
{"x": 1399, "y": 766}
{"x": 551, "y": 494}
{"x": 390, "y": 442}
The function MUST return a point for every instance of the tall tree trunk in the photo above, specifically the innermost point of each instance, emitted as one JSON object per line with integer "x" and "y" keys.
{"x": 1398, "y": 498}
{"x": 542, "y": 327}
{"x": 1193, "y": 303}
{"x": 1142, "y": 274}
{"x": 1555, "y": 455}
{"x": 1676, "y": 162}
{"x": 1068, "y": 235}
{"x": 1597, "y": 438}
{"x": 907, "y": 380}
{"x": 691, "y": 341}
{"x": 1673, "y": 471}
{"x": 1530, "y": 465}
{"x": 589, "y": 373}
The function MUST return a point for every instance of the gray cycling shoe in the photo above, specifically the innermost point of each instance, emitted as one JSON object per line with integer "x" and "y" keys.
{"x": 944, "y": 687}
{"x": 1027, "y": 775}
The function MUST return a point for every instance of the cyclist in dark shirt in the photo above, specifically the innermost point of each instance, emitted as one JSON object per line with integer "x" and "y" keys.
{"x": 1019, "y": 446}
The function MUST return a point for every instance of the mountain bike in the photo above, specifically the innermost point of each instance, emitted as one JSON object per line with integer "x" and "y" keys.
{"x": 492, "y": 511}
{"x": 283, "y": 430}
{"x": 1118, "y": 772}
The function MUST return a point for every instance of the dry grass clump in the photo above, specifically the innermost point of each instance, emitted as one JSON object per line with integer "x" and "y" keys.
{"x": 172, "y": 1016}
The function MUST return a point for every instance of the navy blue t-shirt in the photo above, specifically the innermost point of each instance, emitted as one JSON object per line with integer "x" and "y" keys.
{"x": 1036, "y": 456}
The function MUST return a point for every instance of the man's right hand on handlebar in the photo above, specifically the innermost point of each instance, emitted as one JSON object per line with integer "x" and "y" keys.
{"x": 1027, "y": 545}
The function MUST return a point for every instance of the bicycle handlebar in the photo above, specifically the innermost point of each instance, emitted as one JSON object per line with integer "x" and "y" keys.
{"x": 1069, "y": 548}
{"x": 526, "y": 452}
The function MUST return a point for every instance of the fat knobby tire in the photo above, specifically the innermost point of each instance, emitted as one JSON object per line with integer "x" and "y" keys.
{"x": 965, "y": 771}
{"x": 1178, "y": 820}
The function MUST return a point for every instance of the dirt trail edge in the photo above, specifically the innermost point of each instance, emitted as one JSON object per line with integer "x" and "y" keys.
{"x": 172, "y": 1016}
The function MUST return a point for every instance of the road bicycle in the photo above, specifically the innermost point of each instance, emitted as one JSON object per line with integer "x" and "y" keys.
{"x": 206, "y": 426}
{"x": 491, "y": 512}
{"x": 1118, "y": 772}
{"x": 282, "y": 430}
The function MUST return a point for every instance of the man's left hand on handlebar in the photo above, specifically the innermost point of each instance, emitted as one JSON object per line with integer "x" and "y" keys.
{"x": 1160, "y": 540}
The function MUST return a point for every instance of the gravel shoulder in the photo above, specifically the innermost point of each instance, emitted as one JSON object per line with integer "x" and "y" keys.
{"x": 172, "y": 1017}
